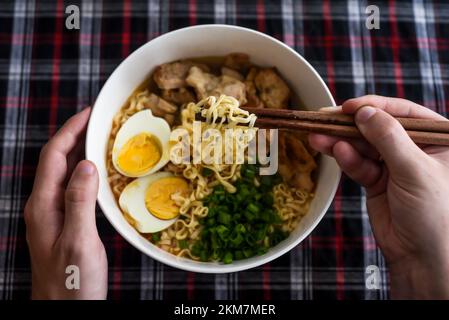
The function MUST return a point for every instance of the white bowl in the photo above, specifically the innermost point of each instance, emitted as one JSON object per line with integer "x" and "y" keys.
{"x": 199, "y": 41}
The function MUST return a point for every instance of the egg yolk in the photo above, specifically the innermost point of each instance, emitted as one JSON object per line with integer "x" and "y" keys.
{"x": 158, "y": 197}
{"x": 139, "y": 154}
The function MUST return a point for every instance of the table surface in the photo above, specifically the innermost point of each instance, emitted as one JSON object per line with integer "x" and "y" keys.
{"x": 48, "y": 72}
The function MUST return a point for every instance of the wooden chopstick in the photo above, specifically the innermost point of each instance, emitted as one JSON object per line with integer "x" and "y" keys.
{"x": 427, "y": 125}
{"x": 421, "y": 131}
{"x": 420, "y": 137}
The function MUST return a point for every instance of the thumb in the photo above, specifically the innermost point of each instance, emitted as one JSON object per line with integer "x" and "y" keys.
{"x": 80, "y": 198}
{"x": 390, "y": 139}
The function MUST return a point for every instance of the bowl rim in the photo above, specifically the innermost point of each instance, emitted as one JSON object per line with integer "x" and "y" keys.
{"x": 211, "y": 267}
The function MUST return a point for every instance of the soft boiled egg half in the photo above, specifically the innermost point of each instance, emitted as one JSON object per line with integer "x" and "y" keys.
{"x": 141, "y": 145}
{"x": 147, "y": 201}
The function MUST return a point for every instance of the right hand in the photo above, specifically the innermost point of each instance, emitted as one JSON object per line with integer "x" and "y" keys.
{"x": 407, "y": 192}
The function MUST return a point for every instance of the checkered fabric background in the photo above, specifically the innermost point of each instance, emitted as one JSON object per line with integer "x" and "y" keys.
{"x": 47, "y": 73}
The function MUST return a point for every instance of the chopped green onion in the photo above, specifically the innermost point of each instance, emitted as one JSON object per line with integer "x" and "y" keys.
{"x": 242, "y": 224}
{"x": 227, "y": 258}
{"x": 239, "y": 255}
{"x": 222, "y": 232}
{"x": 183, "y": 244}
{"x": 253, "y": 208}
{"x": 224, "y": 218}
{"x": 207, "y": 172}
{"x": 156, "y": 237}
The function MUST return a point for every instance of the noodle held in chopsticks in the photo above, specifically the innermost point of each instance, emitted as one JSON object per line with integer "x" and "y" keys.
{"x": 221, "y": 113}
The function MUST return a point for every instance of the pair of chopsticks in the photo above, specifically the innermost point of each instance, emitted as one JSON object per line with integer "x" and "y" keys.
{"x": 421, "y": 131}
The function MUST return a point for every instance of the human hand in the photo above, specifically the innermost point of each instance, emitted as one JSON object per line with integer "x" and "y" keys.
{"x": 407, "y": 193}
{"x": 60, "y": 219}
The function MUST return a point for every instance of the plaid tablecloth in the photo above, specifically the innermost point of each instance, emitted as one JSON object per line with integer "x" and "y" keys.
{"x": 48, "y": 72}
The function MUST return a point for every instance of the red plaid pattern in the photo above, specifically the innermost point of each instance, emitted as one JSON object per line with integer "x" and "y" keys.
{"x": 47, "y": 73}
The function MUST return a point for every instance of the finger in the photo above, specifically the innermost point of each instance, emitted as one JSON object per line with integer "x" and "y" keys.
{"x": 321, "y": 143}
{"x": 74, "y": 157}
{"x": 335, "y": 109}
{"x": 52, "y": 168}
{"x": 432, "y": 150}
{"x": 394, "y": 106}
{"x": 325, "y": 144}
{"x": 80, "y": 198}
{"x": 362, "y": 170}
{"x": 390, "y": 139}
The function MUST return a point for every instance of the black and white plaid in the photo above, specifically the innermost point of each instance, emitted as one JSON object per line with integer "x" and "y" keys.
{"x": 48, "y": 72}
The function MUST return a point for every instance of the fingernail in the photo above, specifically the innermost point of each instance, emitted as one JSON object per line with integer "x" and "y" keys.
{"x": 364, "y": 114}
{"x": 331, "y": 109}
{"x": 86, "y": 109}
{"x": 86, "y": 168}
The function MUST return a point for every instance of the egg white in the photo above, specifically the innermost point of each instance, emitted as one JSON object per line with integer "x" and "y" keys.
{"x": 132, "y": 201}
{"x": 142, "y": 121}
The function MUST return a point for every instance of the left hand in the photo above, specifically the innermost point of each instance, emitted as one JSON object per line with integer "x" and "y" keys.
{"x": 60, "y": 219}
